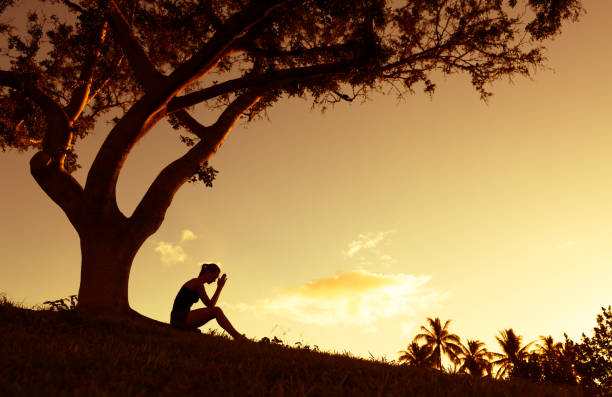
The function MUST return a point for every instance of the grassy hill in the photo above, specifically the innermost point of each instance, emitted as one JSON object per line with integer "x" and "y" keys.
{"x": 67, "y": 353}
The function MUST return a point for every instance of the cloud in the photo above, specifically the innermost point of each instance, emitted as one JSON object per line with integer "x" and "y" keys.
{"x": 170, "y": 254}
{"x": 188, "y": 235}
{"x": 356, "y": 298}
{"x": 365, "y": 241}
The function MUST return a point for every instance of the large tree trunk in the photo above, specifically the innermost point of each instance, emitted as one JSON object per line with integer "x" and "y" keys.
{"x": 107, "y": 252}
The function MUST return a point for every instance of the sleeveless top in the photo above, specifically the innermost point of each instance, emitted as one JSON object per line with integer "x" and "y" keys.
{"x": 184, "y": 299}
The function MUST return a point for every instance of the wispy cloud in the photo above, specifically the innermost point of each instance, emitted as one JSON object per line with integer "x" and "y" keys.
{"x": 188, "y": 235}
{"x": 365, "y": 241}
{"x": 170, "y": 254}
{"x": 357, "y": 297}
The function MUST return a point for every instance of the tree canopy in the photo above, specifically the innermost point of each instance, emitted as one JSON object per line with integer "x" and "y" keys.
{"x": 332, "y": 50}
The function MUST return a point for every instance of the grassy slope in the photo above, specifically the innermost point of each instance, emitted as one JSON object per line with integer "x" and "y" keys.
{"x": 65, "y": 353}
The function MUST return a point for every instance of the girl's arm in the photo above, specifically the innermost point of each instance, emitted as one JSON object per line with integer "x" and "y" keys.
{"x": 220, "y": 283}
{"x": 203, "y": 297}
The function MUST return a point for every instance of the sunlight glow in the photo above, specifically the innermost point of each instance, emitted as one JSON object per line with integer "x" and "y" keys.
{"x": 357, "y": 297}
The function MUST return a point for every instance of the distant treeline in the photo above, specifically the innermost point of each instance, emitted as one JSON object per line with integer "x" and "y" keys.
{"x": 587, "y": 363}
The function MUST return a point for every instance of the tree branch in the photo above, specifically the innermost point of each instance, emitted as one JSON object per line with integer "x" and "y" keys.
{"x": 58, "y": 136}
{"x": 244, "y": 44}
{"x": 47, "y": 166}
{"x": 153, "y": 206}
{"x": 221, "y": 42}
{"x": 60, "y": 186}
{"x": 138, "y": 60}
{"x": 96, "y": 111}
{"x": 104, "y": 172}
{"x": 81, "y": 93}
{"x": 192, "y": 124}
{"x": 73, "y": 6}
{"x": 268, "y": 80}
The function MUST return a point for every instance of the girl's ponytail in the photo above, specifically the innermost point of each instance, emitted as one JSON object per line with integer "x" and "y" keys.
{"x": 210, "y": 267}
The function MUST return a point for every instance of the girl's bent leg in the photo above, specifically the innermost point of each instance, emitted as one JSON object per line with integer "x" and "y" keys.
{"x": 225, "y": 323}
{"x": 197, "y": 318}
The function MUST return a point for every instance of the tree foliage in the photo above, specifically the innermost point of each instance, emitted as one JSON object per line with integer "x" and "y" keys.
{"x": 594, "y": 361}
{"x": 63, "y": 304}
{"x": 550, "y": 362}
{"x": 439, "y": 339}
{"x": 514, "y": 353}
{"x": 587, "y": 365}
{"x": 417, "y": 355}
{"x": 332, "y": 50}
{"x": 475, "y": 359}
{"x": 557, "y": 360}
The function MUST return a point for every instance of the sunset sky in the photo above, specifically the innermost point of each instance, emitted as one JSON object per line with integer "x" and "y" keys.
{"x": 347, "y": 229}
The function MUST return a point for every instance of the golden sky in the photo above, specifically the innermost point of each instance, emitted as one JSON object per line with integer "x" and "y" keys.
{"x": 348, "y": 229}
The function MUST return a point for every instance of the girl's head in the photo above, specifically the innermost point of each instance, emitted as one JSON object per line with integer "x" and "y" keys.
{"x": 209, "y": 272}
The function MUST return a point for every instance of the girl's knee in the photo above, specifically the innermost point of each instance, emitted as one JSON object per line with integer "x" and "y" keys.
{"x": 217, "y": 311}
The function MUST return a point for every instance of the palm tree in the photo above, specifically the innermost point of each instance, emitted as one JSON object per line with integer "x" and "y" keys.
{"x": 474, "y": 358}
{"x": 513, "y": 352}
{"x": 548, "y": 348}
{"x": 416, "y": 355}
{"x": 439, "y": 340}
{"x": 557, "y": 360}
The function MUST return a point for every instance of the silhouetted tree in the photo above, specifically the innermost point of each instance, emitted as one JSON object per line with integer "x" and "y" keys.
{"x": 565, "y": 371}
{"x": 557, "y": 360}
{"x": 547, "y": 346}
{"x": 594, "y": 356}
{"x": 439, "y": 340}
{"x": 150, "y": 60}
{"x": 417, "y": 355}
{"x": 513, "y": 353}
{"x": 474, "y": 359}
{"x": 550, "y": 362}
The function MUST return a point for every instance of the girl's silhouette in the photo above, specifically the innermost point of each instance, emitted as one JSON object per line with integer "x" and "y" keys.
{"x": 183, "y": 317}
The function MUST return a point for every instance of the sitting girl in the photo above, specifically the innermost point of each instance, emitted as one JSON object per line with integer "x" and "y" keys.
{"x": 184, "y": 318}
